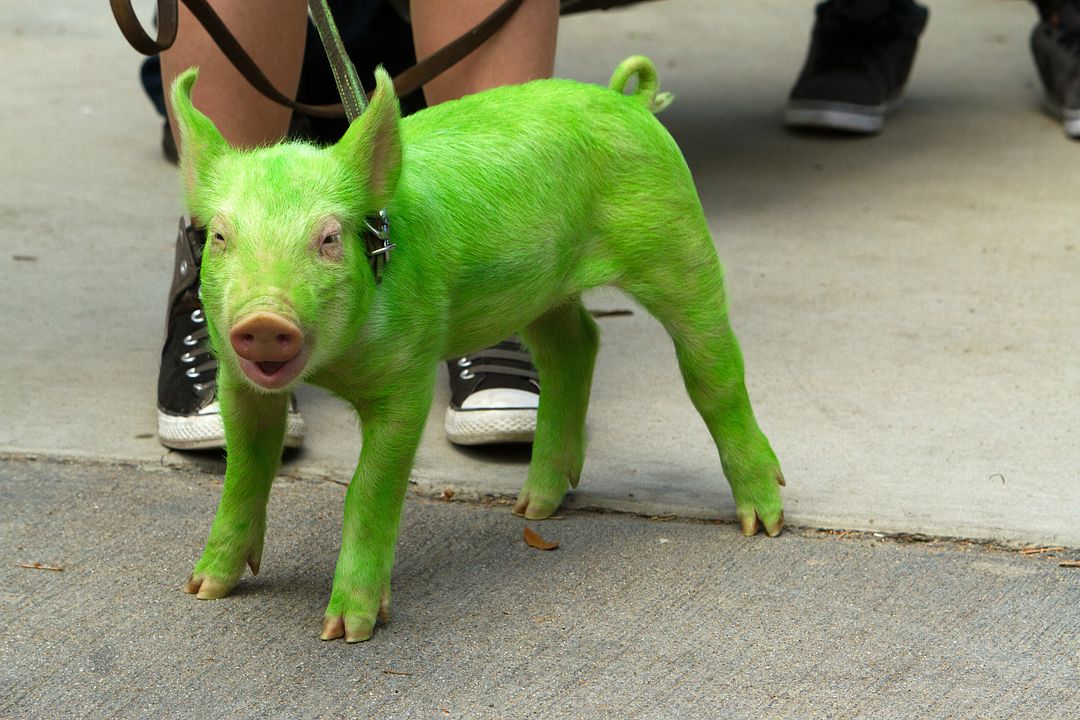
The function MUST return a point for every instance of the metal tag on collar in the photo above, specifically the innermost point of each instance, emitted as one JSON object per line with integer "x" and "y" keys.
{"x": 377, "y": 240}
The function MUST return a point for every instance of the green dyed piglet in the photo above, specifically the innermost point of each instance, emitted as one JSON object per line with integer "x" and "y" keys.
{"x": 504, "y": 206}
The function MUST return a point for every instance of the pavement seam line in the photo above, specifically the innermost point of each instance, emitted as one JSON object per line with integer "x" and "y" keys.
{"x": 430, "y": 492}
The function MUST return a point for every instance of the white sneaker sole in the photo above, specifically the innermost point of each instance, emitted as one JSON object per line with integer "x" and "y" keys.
{"x": 1070, "y": 119}
{"x": 486, "y": 427}
{"x": 206, "y": 431}
{"x": 828, "y": 115}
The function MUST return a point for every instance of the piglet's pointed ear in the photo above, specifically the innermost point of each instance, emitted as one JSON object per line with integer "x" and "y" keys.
{"x": 371, "y": 147}
{"x": 201, "y": 144}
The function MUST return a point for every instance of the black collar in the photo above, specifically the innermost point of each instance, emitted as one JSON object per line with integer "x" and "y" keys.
{"x": 377, "y": 243}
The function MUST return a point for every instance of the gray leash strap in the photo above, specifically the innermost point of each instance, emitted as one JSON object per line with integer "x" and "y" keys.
{"x": 352, "y": 93}
{"x": 376, "y": 235}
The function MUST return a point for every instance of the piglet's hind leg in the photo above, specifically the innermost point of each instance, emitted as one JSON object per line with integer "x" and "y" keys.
{"x": 687, "y": 296}
{"x": 563, "y": 342}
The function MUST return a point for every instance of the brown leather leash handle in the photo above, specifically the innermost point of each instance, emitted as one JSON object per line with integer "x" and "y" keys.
{"x": 167, "y": 18}
{"x": 405, "y": 83}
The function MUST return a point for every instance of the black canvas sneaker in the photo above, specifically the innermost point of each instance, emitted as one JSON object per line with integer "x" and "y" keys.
{"x": 494, "y": 394}
{"x": 860, "y": 56}
{"x": 1055, "y": 43}
{"x": 189, "y": 417}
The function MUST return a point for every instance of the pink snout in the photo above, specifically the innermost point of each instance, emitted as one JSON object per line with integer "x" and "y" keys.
{"x": 270, "y": 348}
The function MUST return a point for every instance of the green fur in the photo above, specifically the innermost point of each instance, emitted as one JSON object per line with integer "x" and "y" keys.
{"x": 504, "y": 206}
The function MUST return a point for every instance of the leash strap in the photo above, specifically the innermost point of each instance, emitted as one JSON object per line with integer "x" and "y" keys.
{"x": 348, "y": 84}
{"x": 376, "y": 235}
{"x": 407, "y": 82}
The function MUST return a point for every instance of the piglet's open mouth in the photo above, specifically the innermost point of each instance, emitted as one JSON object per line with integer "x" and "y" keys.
{"x": 274, "y": 374}
{"x": 271, "y": 349}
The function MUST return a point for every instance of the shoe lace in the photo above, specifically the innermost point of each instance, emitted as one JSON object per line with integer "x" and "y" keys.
{"x": 507, "y": 358}
{"x": 202, "y": 365}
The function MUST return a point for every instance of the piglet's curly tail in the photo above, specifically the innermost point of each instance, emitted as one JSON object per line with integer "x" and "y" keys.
{"x": 647, "y": 86}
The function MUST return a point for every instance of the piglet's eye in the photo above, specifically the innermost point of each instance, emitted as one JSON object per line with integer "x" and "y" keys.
{"x": 330, "y": 247}
{"x": 219, "y": 238}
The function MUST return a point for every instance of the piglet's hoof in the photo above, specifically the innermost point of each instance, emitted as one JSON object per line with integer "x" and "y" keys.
{"x": 532, "y": 506}
{"x": 353, "y": 615}
{"x": 208, "y": 588}
{"x": 356, "y": 629}
{"x": 543, "y": 493}
{"x": 752, "y": 522}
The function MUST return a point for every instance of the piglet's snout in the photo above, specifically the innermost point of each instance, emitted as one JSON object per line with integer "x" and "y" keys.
{"x": 266, "y": 337}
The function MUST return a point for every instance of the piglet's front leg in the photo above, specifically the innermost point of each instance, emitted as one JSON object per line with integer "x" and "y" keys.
{"x": 391, "y": 433}
{"x": 254, "y": 435}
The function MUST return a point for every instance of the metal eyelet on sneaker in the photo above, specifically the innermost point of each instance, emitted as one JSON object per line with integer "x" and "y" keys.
{"x": 198, "y": 316}
{"x": 189, "y": 341}
{"x": 187, "y": 358}
{"x": 193, "y": 373}
{"x": 494, "y": 394}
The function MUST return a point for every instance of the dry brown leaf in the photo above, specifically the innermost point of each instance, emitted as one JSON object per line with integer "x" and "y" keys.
{"x": 532, "y": 539}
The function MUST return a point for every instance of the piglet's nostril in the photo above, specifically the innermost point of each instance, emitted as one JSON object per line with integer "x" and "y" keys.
{"x": 266, "y": 337}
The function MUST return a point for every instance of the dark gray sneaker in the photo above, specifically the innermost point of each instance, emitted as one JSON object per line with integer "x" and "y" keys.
{"x": 494, "y": 394}
{"x": 860, "y": 56}
{"x": 189, "y": 417}
{"x": 1055, "y": 43}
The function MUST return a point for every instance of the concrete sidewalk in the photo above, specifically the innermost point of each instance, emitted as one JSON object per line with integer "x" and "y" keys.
{"x": 907, "y": 303}
{"x": 628, "y": 618}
